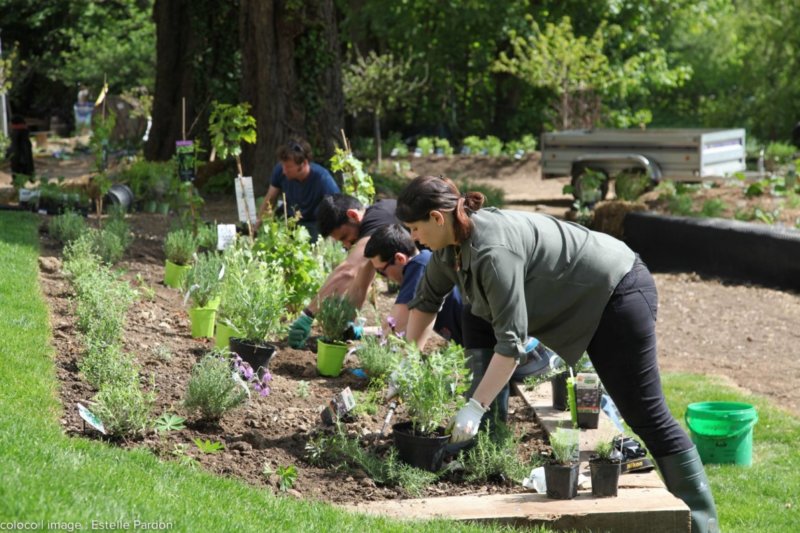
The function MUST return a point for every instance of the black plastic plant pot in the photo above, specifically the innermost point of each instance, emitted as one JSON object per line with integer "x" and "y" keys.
{"x": 559, "y": 384}
{"x": 605, "y": 479}
{"x": 426, "y": 452}
{"x": 588, "y": 420}
{"x": 257, "y": 355}
{"x": 561, "y": 481}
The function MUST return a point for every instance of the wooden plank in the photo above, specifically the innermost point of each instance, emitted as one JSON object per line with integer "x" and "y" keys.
{"x": 540, "y": 400}
{"x": 645, "y": 509}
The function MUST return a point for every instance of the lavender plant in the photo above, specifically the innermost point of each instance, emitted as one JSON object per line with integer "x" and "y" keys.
{"x": 213, "y": 390}
{"x": 335, "y": 314}
{"x": 203, "y": 280}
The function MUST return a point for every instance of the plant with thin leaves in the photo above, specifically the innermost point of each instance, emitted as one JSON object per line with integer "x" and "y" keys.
{"x": 179, "y": 246}
{"x": 124, "y": 409}
{"x": 606, "y": 452}
{"x": 203, "y": 279}
{"x": 181, "y": 452}
{"x": 379, "y": 355}
{"x": 105, "y": 365}
{"x": 335, "y": 314}
{"x": 432, "y": 387}
{"x": 494, "y": 457}
{"x": 256, "y": 297}
{"x": 213, "y": 389}
{"x": 67, "y": 227}
{"x": 564, "y": 443}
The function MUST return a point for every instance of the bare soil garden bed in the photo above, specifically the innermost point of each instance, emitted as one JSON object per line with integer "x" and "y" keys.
{"x": 269, "y": 431}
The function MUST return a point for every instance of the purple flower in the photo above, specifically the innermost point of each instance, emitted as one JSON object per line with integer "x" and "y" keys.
{"x": 392, "y": 321}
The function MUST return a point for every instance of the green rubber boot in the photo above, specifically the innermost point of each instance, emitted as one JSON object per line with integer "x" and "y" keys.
{"x": 686, "y": 479}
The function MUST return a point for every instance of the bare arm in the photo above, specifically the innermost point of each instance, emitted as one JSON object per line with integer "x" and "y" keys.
{"x": 496, "y": 376}
{"x": 400, "y": 315}
{"x": 420, "y": 326}
{"x": 351, "y": 277}
{"x": 269, "y": 200}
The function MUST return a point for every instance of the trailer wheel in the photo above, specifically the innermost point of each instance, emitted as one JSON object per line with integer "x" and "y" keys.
{"x": 585, "y": 186}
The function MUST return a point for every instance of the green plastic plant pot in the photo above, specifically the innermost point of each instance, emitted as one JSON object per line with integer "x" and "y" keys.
{"x": 224, "y": 334}
{"x": 174, "y": 274}
{"x": 330, "y": 358}
{"x": 202, "y": 319}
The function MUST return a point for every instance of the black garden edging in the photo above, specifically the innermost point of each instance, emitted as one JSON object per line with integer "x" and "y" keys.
{"x": 766, "y": 255}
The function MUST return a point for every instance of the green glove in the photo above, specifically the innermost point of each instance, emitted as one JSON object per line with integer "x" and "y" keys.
{"x": 300, "y": 331}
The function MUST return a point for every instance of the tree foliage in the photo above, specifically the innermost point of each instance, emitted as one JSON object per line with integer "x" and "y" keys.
{"x": 376, "y": 84}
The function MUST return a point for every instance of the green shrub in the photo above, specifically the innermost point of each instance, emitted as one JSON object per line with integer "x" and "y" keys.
{"x": 213, "y": 389}
{"x": 564, "y": 443}
{"x": 107, "y": 245}
{"x": 125, "y": 410}
{"x": 681, "y": 204}
{"x": 207, "y": 236}
{"x": 330, "y": 252}
{"x": 179, "y": 246}
{"x": 395, "y": 146}
{"x": 443, "y": 146}
{"x": 105, "y": 364}
{"x": 713, "y": 208}
{"x": 493, "y": 146}
{"x": 472, "y": 144}
{"x": 290, "y": 248}
{"x": 102, "y": 306}
{"x": 494, "y": 457}
{"x": 778, "y": 154}
{"x": 254, "y": 300}
{"x": 379, "y": 355}
{"x": 425, "y": 145}
{"x": 120, "y": 228}
{"x": 334, "y": 315}
{"x": 631, "y": 185}
{"x": 432, "y": 386}
{"x": 202, "y": 281}
{"x": 525, "y": 145}
{"x": 67, "y": 227}
{"x": 79, "y": 258}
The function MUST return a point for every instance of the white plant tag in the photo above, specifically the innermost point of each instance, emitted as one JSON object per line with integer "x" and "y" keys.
{"x": 91, "y": 419}
{"x": 245, "y": 199}
{"x": 226, "y": 234}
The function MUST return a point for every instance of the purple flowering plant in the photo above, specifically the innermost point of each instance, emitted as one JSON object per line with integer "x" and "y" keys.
{"x": 259, "y": 381}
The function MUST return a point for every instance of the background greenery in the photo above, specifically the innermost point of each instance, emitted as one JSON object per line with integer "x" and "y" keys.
{"x": 689, "y": 63}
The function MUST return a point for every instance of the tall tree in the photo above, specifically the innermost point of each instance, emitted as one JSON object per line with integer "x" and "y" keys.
{"x": 291, "y": 75}
{"x": 174, "y": 76}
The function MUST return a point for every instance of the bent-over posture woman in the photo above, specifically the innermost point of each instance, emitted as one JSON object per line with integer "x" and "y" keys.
{"x": 577, "y": 290}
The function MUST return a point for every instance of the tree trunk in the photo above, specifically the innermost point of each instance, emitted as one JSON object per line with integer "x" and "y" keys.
{"x": 291, "y": 75}
{"x": 377, "y": 130}
{"x": 174, "y": 51}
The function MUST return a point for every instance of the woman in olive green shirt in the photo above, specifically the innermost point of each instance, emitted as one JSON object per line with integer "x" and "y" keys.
{"x": 577, "y": 290}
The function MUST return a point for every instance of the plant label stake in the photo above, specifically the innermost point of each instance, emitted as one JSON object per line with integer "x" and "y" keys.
{"x": 226, "y": 234}
{"x": 91, "y": 419}
{"x": 389, "y": 414}
{"x": 341, "y": 404}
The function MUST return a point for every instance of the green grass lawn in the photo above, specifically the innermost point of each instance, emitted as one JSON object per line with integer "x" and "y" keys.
{"x": 46, "y": 476}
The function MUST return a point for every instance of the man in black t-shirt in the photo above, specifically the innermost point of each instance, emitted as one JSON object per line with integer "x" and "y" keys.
{"x": 345, "y": 219}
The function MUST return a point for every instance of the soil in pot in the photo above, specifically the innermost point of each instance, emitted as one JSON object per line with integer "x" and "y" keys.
{"x": 421, "y": 451}
{"x": 605, "y": 478}
{"x": 257, "y": 355}
{"x": 561, "y": 481}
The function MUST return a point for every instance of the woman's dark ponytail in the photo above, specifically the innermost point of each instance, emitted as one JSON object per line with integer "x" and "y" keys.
{"x": 436, "y": 193}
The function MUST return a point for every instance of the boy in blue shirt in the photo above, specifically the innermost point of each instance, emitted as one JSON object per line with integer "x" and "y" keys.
{"x": 304, "y": 183}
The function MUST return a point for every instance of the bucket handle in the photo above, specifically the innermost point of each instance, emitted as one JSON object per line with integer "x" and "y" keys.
{"x": 744, "y": 429}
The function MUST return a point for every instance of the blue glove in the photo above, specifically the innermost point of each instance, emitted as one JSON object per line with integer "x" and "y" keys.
{"x": 353, "y": 332}
{"x": 300, "y": 331}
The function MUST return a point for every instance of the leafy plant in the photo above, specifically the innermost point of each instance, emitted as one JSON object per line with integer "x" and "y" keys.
{"x": 355, "y": 181}
{"x": 334, "y": 315}
{"x": 432, "y": 387}
{"x": 443, "y": 146}
{"x": 169, "y": 422}
{"x": 630, "y": 185}
{"x": 564, "y": 443}
{"x": 255, "y": 300}
{"x": 124, "y": 409}
{"x": 119, "y": 227}
{"x": 207, "y": 236}
{"x": 203, "y": 280}
{"x": 494, "y": 457}
{"x": 287, "y": 476}
{"x": 379, "y": 355}
{"x": 713, "y": 208}
{"x": 229, "y": 126}
{"x": 303, "y": 389}
{"x": 213, "y": 390}
{"x": 179, "y": 246}
{"x": 105, "y": 365}
{"x": 519, "y": 147}
{"x": 181, "y": 451}
{"x": 208, "y": 446}
{"x": 605, "y": 452}
{"x": 67, "y": 227}
{"x": 425, "y": 145}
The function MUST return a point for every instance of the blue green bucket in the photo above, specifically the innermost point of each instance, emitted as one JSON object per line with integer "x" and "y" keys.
{"x": 722, "y": 431}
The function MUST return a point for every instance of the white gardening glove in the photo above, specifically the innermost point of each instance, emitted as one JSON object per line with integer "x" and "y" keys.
{"x": 465, "y": 424}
